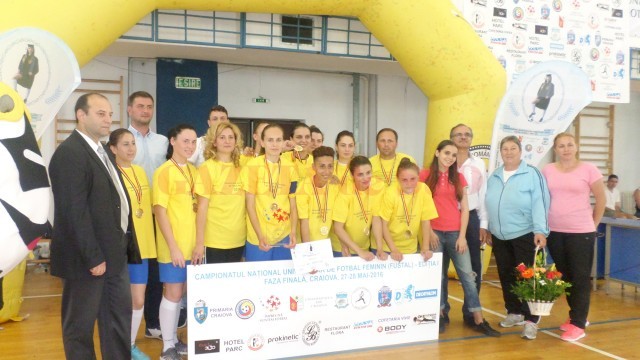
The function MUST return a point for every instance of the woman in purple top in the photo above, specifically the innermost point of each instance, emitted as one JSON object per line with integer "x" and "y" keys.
{"x": 573, "y": 226}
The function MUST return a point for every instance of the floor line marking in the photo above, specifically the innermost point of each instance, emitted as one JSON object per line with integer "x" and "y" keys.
{"x": 601, "y": 352}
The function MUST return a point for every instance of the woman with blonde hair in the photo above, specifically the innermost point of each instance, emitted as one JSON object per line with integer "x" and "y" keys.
{"x": 221, "y": 229}
{"x": 573, "y": 224}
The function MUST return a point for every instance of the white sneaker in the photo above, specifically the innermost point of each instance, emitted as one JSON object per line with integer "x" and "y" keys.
{"x": 530, "y": 330}
{"x": 512, "y": 320}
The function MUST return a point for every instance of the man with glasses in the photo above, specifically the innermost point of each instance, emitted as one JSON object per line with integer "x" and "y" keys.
{"x": 474, "y": 171}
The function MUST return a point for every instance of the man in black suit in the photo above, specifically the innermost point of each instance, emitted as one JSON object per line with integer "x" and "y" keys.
{"x": 89, "y": 244}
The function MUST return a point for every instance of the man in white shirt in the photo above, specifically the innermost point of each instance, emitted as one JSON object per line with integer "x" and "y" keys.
{"x": 216, "y": 114}
{"x": 474, "y": 171}
{"x": 613, "y": 206}
{"x": 151, "y": 153}
{"x": 152, "y": 147}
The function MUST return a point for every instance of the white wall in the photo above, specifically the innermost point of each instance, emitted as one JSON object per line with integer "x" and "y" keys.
{"x": 319, "y": 98}
{"x": 625, "y": 145}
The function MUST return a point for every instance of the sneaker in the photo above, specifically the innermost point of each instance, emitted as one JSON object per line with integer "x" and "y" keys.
{"x": 153, "y": 333}
{"x": 181, "y": 348}
{"x": 512, "y": 320}
{"x": 170, "y": 354}
{"x": 137, "y": 354}
{"x": 530, "y": 330}
{"x": 565, "y": 326}
{"x": 441, "y": 325}
{"x": 468, "y": 321}
{"x": 182, "y": 320}
{"x": 573, "y": 333}
{"x": 486, "y": 329}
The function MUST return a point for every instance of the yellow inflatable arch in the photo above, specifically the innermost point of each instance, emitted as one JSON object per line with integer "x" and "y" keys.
{"x": 429, "y": 38}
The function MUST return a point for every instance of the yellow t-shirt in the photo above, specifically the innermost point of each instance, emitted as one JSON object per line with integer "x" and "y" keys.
{"x": 419, "y": 207}
{"x": 172, "y": 190}
{"x": 273, "y": 213}
{"x": 137, "y": 185}
{"x": 348, "y": 210}
{"x": 388, "y": 176}
{"x": 226, "y": 226}
{"x": 341, "y": 171}
{"x": 307, "y": 204}
{"x": 304, "y": 168}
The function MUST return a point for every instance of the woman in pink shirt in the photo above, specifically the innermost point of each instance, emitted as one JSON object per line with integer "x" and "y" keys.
{"x": 573, "y": 226}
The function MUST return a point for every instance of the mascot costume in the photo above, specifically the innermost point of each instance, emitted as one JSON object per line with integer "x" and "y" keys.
{"x": 24, "y": 196}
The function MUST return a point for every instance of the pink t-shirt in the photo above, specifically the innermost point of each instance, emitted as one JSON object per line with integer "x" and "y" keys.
{"x": 446, "y": 202}
{"x": 570, "y": 210}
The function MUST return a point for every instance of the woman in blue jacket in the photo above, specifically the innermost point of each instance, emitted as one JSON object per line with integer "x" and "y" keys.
{"x": 517, "y": 203}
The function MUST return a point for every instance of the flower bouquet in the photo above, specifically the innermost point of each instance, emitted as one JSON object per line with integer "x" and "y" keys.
{"x": 539, "y": 285}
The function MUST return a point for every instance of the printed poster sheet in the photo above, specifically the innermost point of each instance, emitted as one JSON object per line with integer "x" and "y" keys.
{"x": 265, "y": 310}
{"x": 591, "y": 34}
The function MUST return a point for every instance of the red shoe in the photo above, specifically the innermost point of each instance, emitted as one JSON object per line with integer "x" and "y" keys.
{"x": 573, "y": 333}
{"x": 565, "y": 326}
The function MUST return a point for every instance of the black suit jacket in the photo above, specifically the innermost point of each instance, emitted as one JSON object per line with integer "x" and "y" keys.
{"x": 86, "y": 228}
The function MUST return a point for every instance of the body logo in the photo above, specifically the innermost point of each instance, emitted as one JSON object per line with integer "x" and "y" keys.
{"x": 200, "y": 311}
{"x": 311, "y": 333}
{"x": 245, "y": 309}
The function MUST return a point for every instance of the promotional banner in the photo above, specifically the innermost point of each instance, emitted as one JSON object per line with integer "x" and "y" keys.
{"x": 634, "y": 23}
{"x": 540, "y": 103}
{"x": 42, "y": 69}
{"x": 593, "y": 35}
{"x": 265, "y": 310}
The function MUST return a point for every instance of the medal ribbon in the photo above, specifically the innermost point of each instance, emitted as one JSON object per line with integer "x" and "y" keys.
{"x": 364, "y": 213}
{"x": 191, "y": 182}
{"x": 344, "y": 175}
{"x": 323, "y": 213}
{"x": 137, "y": 188}
{"x": 407, "y": 214}
{"x": 274, "y": 190}
{"x": 384, "y": 172}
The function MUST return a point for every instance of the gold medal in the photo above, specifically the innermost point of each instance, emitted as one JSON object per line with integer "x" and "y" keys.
{"x": 408, "y": 234}
{"x": 298, "y": 148}
{"x": 274, "y": 206}
{"x": 324, "y": 230}
{"x": 366, "y": 230}
{"x": 139, "y": 213}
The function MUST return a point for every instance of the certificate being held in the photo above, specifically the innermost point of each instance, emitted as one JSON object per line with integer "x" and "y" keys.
{"x": 312, "y": 256}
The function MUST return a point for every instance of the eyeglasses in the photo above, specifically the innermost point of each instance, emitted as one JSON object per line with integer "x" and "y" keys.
{"x": 469, "y": 135}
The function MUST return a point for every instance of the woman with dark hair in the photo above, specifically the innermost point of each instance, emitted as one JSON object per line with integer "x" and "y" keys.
{"x": 353, "y": 219}
{"x": 27, "y": 70}
{"x": 450, "y": 196}
{"x": 517, "y": 203}
{"x": 221, "y": 228}
{"x": 300, "y": 156}
{"x": 573, "y": 224}
{"x": 405, "y": 212}
{"x": 174, "y": 205}
{"x": 345, "y": 148}
{"x": 123, "y": 145}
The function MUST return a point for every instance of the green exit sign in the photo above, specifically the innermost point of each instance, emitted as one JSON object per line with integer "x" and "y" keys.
{"x": 191, "y": 83}
{"x": 260, "y": 100}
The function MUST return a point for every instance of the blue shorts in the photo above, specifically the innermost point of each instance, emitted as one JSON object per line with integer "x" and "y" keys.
{"x": 139, "y": 273}
{"x": 253, "y": 252}
{"x": 172, "y": 274}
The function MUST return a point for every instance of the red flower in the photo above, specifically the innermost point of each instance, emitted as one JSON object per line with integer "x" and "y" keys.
{"x": 521, "y": 267}
{"x": 527, "y": 274}
{"x": 551, "y": 275}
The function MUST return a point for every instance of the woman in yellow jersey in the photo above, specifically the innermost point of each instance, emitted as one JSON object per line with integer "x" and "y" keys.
{"x": 406, "y": 210}
{"x": 221, "y": 228}
{"x": 174, "y": 204}
{"x": 270, "y": 185}
{"x": 345, "y": 148}
{"x": 300, "y": 156}
{"x": 353, "y": 219}
{"x": 315, "y": 197}
{"x": 123, "y": 145}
